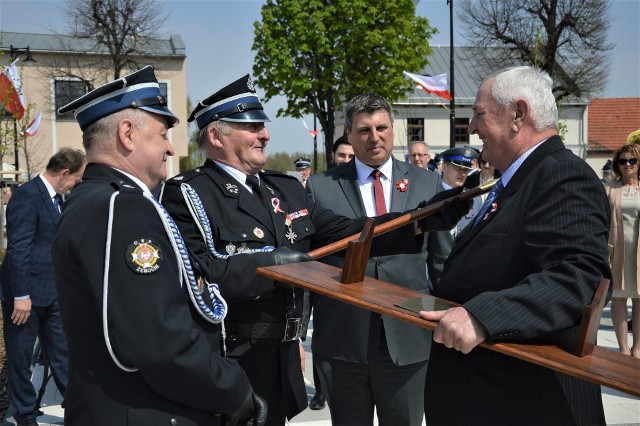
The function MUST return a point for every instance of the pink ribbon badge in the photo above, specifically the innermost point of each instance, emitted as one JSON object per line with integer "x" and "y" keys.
{"x": 275, "y": 202}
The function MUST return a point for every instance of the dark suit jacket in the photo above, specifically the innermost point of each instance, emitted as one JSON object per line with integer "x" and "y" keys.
{"x": 27, "y": 268}
{"x": 525, "y": 272}
{"x": 151, "y": 323}
{"x": 347, "y": 333}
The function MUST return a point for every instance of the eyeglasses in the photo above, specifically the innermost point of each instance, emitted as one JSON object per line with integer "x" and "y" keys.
{"x": 417, "y": 155}
{"x": 624, "y": 161}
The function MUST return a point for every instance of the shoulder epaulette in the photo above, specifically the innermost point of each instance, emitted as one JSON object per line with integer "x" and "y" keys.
{"x": 185, "y": 176}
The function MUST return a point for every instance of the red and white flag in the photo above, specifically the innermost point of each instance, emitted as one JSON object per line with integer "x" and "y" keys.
{"x": 34, "y": 125}
{"x": 436, "y": 85}
{"x": 313, "y": 133}
{"x": 11, "y": 91}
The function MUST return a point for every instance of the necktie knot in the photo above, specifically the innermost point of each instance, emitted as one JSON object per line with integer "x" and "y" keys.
{"x": 254, "y": 183}
{"x": 57, "y": 202}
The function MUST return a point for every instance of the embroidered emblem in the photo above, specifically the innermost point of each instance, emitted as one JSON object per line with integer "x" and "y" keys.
{"x": 402, "y": 185}
{"x": 230, "y": 249}
{"x": 178, "y": 178}
{"x": 258, "y": 232}
{"x": 250, "y": 84}
{"x": 290, "y": 235}
{"x": 144, "y": 256}
{"x": 231, "y": 188}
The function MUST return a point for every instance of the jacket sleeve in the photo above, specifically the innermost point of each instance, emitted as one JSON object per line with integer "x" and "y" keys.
{"x": 22, "y": 225}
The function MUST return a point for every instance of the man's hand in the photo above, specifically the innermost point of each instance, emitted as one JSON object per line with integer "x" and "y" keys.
{"x": 283, "y": 255}
{"x": 253, "y": 412}
{"x": 457, "y": 329}
{"x": 21, "y": 311}
{"x": 450, "y": 213}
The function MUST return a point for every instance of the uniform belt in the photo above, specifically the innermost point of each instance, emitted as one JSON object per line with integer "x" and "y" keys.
{"x": 285, "y": 331}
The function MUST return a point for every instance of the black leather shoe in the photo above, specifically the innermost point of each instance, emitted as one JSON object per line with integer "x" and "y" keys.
{"x": 318, "y": 401}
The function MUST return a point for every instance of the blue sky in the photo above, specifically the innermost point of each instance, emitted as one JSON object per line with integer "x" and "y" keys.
{"x": 219, "y": 34}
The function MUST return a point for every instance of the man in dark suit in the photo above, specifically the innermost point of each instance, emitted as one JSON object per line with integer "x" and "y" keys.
{"x": 30, "y": 301}
{"x": 236, "y": 217}
{"x": 525, "y": 269}
{"x": 144, "y": 336}
{"x": 366, "y": 360}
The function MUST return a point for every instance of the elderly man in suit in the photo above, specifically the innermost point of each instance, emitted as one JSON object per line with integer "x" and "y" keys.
{"x": 365, "y": 359}
{"x": 30, "y": 301}
{"x": 524, "y": 269}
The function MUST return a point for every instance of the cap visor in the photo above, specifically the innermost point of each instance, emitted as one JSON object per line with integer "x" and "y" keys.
{"x": 251, "y": 116}
{"x": 172, "y": 120}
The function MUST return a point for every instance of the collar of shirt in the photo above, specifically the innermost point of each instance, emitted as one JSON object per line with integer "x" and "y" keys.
{"x": 237, "y": 174}
{"x": 138, "y": 182}
{"x": 366, "y": 184}
{"x": 446, "y": 186}
{"x": 508, "y": 174}
{"x": 52, "y": 192}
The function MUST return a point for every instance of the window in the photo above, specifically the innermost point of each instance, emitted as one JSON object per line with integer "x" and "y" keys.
{"x": 461, "y": 136}
{"x": 415, "y": 129}
{"x": 67, "y": 91}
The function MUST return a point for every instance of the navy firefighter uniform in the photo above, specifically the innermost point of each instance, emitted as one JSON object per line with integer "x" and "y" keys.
{"x": 264, "y": 316}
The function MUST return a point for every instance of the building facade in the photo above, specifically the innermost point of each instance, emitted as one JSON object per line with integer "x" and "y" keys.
{"x": 64, "y": 68}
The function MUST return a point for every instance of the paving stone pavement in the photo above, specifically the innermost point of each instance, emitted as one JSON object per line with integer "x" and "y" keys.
{"x": 620, "y": 409}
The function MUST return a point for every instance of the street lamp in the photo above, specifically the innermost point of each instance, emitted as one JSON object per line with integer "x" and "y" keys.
{"x": 313, "y": 104}
{"x": 14, "y": 52}
{"x": 452, "y": 103}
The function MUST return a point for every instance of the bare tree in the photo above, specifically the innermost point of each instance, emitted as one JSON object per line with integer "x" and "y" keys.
{"x": 566, "y": 38}
{"x": 124, "y": 29}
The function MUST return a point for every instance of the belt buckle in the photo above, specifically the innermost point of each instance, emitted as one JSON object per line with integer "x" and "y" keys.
{"x": 291, "y": 329}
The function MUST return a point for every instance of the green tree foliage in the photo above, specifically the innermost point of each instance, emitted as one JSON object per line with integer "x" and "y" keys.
{"x": 566, "y": 38}
{"x": 319, "y": 53}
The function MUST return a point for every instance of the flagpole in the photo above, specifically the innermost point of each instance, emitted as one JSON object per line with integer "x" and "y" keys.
{"x": 452, "y": 103}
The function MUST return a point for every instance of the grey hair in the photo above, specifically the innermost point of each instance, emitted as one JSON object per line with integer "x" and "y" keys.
{"x": 101, "y": 133}
{"x": 202, "y": 138}
{"x": 419, "y": 142}
{"x": 531, "y": 85}
{"x": 366, "y": 102}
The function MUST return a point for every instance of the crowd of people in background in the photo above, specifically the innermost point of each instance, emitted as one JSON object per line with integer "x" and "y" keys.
{"x": 160, "y": 318}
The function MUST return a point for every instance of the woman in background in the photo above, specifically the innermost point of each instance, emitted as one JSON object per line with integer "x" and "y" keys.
{"x": 624, "y": 197}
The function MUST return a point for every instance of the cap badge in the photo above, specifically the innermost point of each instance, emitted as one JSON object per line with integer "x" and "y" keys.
{"x": 144, "y": 256}
{"x": 467, "y": 152}
{"x": 402, "y": 185}
{"x": 250, "y": 84}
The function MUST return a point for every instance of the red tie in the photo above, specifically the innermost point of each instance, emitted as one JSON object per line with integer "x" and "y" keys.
{"x": 378, "y": 193}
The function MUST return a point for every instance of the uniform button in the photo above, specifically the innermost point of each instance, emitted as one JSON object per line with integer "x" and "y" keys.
{"x": 244, "y": 235}
{"x": 173, "y": 422}
{"x": 380, "y": 262}
{"x": 306, "y": 229}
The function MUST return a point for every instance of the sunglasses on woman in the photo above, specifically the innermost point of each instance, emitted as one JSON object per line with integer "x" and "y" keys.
{"x": 624, "y": 161}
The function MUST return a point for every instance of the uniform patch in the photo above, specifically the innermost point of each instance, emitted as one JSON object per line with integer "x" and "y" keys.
{"x": 144, "y": 256}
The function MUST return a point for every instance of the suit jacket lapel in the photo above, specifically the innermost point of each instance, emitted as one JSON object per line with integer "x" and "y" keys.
{"x": 551, "y": 145}
{"x": 351, "y": 188}
{"x": 46, "y": 199}
{"x": 399, "y": 198}
{"x": 231, "y": 188}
